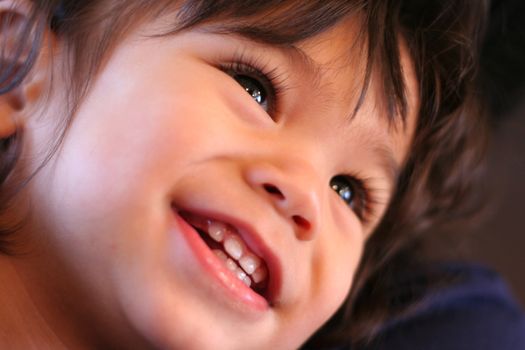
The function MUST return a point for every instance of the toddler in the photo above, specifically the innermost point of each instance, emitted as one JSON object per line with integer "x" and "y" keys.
{"x": 201, "y": 174}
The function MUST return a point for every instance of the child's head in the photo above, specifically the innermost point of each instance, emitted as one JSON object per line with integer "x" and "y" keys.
{"x": 159, "y": 136}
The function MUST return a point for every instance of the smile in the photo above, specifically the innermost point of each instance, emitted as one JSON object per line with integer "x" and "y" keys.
{"x": 233, "y": 255}
{"x": 225, "y": 242}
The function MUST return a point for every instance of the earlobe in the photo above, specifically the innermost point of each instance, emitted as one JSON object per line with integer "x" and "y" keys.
{"x": 8, "y": 107}
{"x": 13, "y": 95}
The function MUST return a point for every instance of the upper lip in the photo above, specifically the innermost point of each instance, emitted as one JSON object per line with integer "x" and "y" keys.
{"x": 254, "y": 241}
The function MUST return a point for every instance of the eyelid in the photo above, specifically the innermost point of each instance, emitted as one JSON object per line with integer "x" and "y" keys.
{"x": 239, "y": 68}
{"x": 367, "y": 195}
{"x": 272, "y": 78}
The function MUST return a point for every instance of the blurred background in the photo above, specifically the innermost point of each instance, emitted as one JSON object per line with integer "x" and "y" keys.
{"x": 499, "y": 239}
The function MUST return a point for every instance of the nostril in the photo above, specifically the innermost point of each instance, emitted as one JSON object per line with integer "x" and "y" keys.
{"x": 273, "y": 190}
{"x": 301, "y": 222}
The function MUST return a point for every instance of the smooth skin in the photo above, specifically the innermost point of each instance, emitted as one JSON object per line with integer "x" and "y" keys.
{"x": 164, "y": 128}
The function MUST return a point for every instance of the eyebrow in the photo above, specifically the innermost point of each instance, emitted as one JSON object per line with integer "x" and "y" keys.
{"x": 387, "y": 162}
{"x": 290, "y": 50}
{"x": 307, "y": 64}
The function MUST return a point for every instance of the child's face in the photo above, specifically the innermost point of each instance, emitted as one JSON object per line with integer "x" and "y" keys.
{"x": 167, "y": 139}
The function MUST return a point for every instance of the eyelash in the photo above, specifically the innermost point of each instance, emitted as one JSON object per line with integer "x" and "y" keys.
{"x": 363, "y": 194}
{"x": 273, "y": 82}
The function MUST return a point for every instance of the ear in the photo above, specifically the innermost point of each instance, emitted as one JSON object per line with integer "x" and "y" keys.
{"x": 14, "y": 17}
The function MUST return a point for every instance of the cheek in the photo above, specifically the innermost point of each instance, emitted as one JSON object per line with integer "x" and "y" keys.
{"x": 128, "y": 144}
{"x": 133, "y": 139}
{"x": 342, "y": 261}
{"x": 333, "y": 268}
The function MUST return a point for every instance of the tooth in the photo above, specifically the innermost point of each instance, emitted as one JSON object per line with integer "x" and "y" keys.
{"x": 233, "y": 246}
{"x": 231, "y": 265}
{"x": 220, "y": 254}
{"x": 247, "y": 281}
{"x": 240, "y": 273}
{"x": 249, "y": 263}
{"x": 259, "y": 274}
{"x": 216, "y": 230}
{"x": 243, "y": 276}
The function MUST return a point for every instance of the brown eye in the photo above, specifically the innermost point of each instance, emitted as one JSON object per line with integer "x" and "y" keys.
{"x": 352, "y": 191}
{"x": 264, "y": 85}
{"x": 254, "y": 88}
{"x": 344, "y": 188}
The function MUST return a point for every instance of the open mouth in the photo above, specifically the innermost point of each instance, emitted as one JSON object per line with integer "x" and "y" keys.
{"x": 227, "y": 244}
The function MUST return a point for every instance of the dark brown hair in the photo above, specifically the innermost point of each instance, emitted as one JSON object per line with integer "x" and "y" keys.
{"x": 445, "y": 159}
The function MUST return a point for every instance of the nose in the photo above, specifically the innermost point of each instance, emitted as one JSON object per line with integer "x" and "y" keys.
{"x": 293, "y": 191}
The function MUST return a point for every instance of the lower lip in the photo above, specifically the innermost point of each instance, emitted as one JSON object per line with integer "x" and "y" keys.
{"x": 217, "y": 270}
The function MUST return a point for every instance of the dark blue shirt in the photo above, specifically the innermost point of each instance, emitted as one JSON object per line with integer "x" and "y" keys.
{"x": 476, "y": 311}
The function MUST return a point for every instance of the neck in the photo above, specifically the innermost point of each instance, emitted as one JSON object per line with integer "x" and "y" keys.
{"x": 22, "y": 325}
{"x": 32, "y": 317}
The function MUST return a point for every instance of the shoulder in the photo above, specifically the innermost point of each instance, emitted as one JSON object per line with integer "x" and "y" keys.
{"x": 474, "y": 310}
